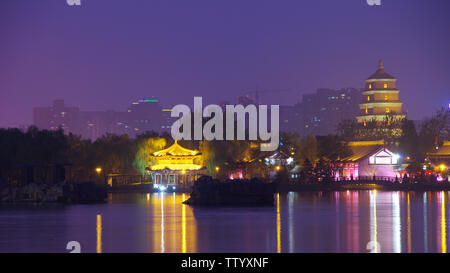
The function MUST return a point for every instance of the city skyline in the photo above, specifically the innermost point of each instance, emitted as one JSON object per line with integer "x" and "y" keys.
{"x": 212, "y": 129}
{"x": 50, "y": 53}
{"x": 317, "y": 113}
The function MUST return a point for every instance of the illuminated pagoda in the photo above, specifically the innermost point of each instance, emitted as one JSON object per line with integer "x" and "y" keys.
{"x": 175, "y": 165}
{"x": 380, "y": 98}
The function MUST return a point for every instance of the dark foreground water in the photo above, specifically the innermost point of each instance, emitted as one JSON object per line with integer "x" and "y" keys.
{"x": 352, "y": 221}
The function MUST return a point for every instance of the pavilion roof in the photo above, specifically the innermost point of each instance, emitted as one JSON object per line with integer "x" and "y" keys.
{"x": 176, "y": 150}
{"x": 362, "y": 149}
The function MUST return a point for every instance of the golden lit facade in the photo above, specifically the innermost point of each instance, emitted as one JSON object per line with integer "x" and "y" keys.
{"x": 175, "y": 165}
{"x": 380, "y": 98}
{"x": 177, "y": 158}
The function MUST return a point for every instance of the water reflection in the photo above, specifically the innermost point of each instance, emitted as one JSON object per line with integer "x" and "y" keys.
{"x": 183, "y": 227}
{"x": 425, "y": 222}
{"x": 171, "y": 224}
{"x": 443, "y": 224}
{"x": 162, "y": 221}
{"x": 99, "y": 233}
{"x": 396, "y": 227}
{"x": 409, "y": 223}
{"x": 299, "y": 222}
{"x": 373, "y": 221}
{"x": 291, "y": 221}
{"x": 278, "y": 225}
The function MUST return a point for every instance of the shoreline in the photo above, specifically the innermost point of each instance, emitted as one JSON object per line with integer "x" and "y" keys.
{"x": 363, "y": 186}
{"x": 281, "y": 188}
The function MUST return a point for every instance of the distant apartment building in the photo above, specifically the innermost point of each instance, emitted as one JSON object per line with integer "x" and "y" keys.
{"x": 143, "y": 115}
{"x": 94, "y": 124}
{"x": 321, "y": 112}
{"x": 167, "y": 120}
{"x": 56, "y": 116}
{"x": 290, "y": 119}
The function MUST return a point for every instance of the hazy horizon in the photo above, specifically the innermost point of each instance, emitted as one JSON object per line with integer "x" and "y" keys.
{"x": 105, "y": 54}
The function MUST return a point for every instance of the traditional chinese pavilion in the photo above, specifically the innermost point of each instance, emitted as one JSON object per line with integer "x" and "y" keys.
{"x": 175, "y": 165}
{"x": 369, "y": 159}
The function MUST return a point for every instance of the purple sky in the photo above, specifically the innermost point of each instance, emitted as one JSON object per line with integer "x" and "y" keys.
{"x": 107, "y": 53}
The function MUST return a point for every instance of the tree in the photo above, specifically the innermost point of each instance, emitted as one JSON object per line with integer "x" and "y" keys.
{"x": 347, "y": 128}
{"x": 434, "y": 130}
{"x": 332, "y": 148}
{"x": 145, "y": 146}
{"x": 306, "y": 172}
{"x": 80, "y": 155}
{"x": 409, "y": 141}
{"x": 308, "y": 149}
{"x": 114, "y": 154}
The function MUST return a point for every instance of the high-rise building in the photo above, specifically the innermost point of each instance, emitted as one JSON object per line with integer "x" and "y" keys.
{"x": 290, "y": 118}
{"x": 145, "y": 115}
{"x": 142, "y": 116}
{"x": 95, "y": 124}
{"x": 167, "y": 120}
{"x": 320, "y": 113}
{"x": 380, "y": 98}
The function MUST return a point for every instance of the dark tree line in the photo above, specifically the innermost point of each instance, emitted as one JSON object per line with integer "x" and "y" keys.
{"x": 44, "y": 149}
{"x": 121, "y": 154}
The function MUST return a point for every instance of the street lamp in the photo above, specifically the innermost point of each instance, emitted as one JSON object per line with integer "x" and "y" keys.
{"x": 98, "y": 170}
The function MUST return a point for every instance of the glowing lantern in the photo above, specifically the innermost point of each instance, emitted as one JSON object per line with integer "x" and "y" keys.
{"x": 98, "y": 170}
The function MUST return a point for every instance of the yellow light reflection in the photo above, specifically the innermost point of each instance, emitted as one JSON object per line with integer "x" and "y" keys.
{"x": 183, "y": 227}
{"x": 443, "y": 224}
{"x": 175, "y": 228}
{"x": 99, "y": 233}
{"x": 162, "y": 222}
{"x": 278, "y": 225}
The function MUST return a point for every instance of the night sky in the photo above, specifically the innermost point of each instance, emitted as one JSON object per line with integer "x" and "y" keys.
{"x": 106, "y": 54}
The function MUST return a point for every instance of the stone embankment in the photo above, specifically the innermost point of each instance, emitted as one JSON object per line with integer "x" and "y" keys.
{"x": 212, "y": 192}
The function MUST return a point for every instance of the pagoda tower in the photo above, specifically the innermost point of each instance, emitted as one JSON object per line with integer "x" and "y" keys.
{"x": 380, "y": 98}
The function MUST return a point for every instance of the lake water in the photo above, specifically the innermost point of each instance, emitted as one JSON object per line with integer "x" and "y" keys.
{"x": 346, "y": 221}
